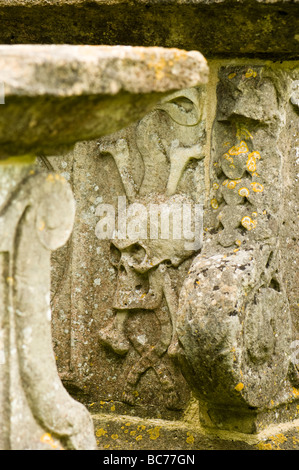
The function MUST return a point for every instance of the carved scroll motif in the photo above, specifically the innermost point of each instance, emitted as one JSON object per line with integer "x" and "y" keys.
{"x": 36, "y": 410}
{"x": 156, "y": 160}
{"x": 234, "y": 323}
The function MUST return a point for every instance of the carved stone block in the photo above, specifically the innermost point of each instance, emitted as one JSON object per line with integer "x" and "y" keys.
{"x": 115, "y": 300}
{"x": 234, "y": 320}
{"x": 64, "y": 93}
{"x": 36, "y": 410}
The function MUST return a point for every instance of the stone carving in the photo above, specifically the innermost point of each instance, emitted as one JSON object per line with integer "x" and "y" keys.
{"x": 233, "y": 324}
{"x": 152, "y": 158}
{"x": 36, "y": 217}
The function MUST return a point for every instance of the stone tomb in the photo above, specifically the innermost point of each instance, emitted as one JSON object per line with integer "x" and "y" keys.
{"x": 215, "y": 352}
{"x": 44, "y": 86}
{"x": 167, "y": 344}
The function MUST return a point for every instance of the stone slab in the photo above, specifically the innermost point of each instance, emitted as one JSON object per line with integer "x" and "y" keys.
{"x": 58, "y": 95}
{"x": 128, "y": 433}
{"x": 255, "y": 28}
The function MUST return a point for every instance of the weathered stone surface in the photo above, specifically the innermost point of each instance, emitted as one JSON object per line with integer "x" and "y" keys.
{"x": 128, "y": 433}
{"x": 119, "y": 326}
{"x": 36, "y": 411}
{"x": 43, "y": 87}
{"x": 121, "y": 342}
{"x": 255, "y": 28}
{"x": 234, "y": 321}
{"x": 240, "y": 364}
{"x": 58, "y": 95}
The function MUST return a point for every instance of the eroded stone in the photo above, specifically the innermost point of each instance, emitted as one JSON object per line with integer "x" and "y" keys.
{"x": 36, "y": 411}
{"x": 58, "y": 95}
{"x": 234, "y": 320}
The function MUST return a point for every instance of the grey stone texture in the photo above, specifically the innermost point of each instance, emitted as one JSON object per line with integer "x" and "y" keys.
{"x": 118, "y": 327}
{"x": 37, "y": 211}
{"x": 36, "y": 411}
{"x": 232, "y": 324}
{"x": 70, "y": 93}
{"x": 136, "y": 343}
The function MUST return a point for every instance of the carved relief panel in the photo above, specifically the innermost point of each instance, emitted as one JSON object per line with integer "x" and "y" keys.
{"x": 115, "y": 299}
{"x": 137, "y": 312}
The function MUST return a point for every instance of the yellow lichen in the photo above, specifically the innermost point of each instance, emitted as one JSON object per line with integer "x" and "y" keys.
{"x": 250, "y": 73}
{"x": 278, "y": 438}
{"x": 154, "y": 433}
{"x": 251, "y": 164}
{"x": 264, "y": 446}
{"x": 239, "y": 387}
{"x": 227, "y": 157}
{"x": 232, "y": 184}
{"x": 214, "y": 204}
{"x": 243, "y": 192}
{"x": 257, "y": 187}
{"x": 101, "y": 432}
{"x": 238, "y": 149}
{"x": 190, "y": 438}
{"x": 48, "y": 440}
{"x": 248, "y": 223}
